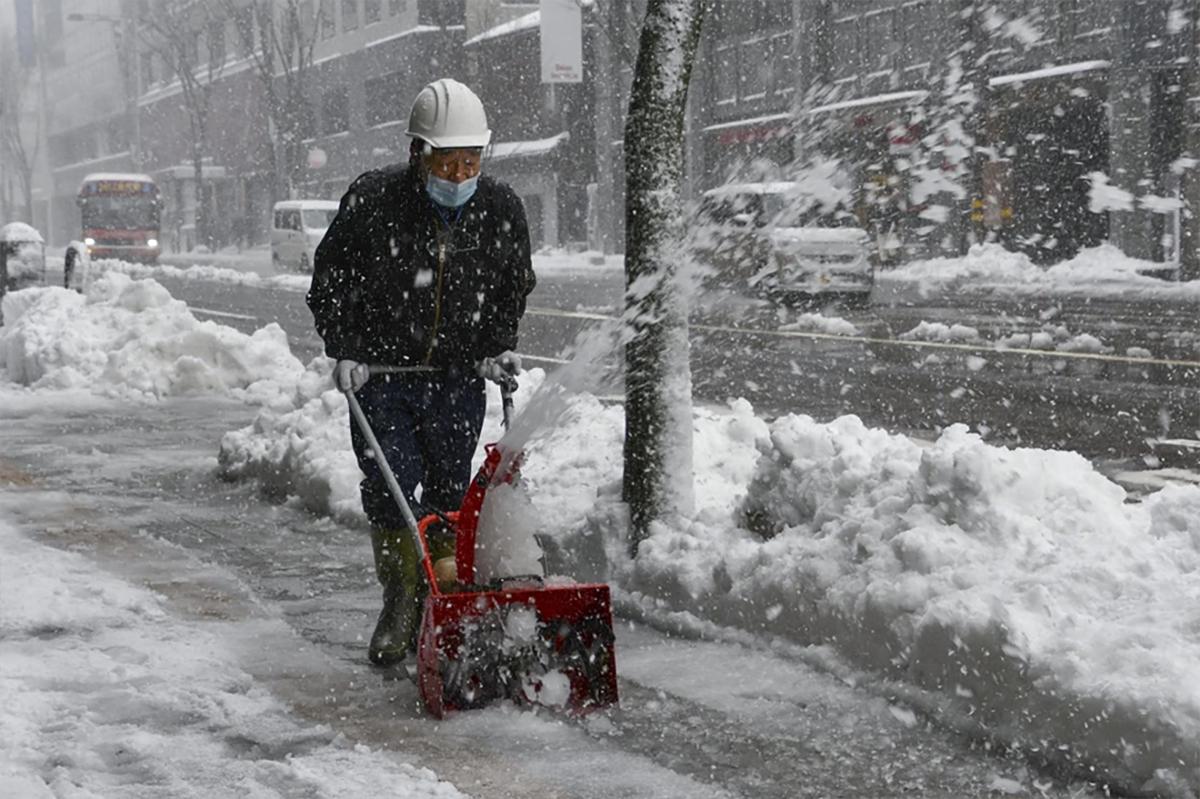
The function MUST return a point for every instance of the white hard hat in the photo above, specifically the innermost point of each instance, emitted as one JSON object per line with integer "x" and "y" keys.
{"x": 447, "y": 114}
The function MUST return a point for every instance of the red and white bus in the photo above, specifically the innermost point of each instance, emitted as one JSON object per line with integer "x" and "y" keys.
{"x": 120, "y": 214}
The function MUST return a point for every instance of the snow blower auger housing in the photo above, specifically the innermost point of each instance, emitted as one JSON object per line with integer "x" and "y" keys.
{"x": 520, "y": 638}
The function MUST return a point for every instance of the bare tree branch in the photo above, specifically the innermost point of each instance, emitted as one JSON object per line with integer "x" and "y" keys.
{"x": 14, "y": 153}
{"x": 174, "y": 34}
{"x": 282, "y": 53}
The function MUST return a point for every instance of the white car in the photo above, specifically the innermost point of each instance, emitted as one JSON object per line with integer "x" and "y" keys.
{"x": 297, "y": 228}
{"x": 753, "y": 238}
{"x": 822, "y": 261}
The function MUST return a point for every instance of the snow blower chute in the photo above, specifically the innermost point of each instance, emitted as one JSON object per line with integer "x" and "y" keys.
{"x": 523, "y": 638}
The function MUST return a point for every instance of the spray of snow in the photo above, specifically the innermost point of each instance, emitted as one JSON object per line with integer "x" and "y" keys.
{"x": 505, "y": 544}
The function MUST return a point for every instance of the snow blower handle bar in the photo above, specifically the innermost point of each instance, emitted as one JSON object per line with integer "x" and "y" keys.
{"x": 508, "y": 387}
{"x": 383, "y": 369}
{"x": 390, "y": 478}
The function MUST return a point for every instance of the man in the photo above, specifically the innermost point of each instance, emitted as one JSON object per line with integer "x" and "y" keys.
{"x": 426, "y": 265}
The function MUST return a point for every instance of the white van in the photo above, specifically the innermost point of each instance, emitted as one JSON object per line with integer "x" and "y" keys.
{"x": 297, "y": 228}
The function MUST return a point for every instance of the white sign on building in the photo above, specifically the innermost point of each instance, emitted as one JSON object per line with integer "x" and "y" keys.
{"x": 562, "y": 41}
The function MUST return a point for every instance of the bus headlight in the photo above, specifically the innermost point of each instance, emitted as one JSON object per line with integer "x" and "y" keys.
{"x": 89, "y": 241}
{"x": 152, "y": 243}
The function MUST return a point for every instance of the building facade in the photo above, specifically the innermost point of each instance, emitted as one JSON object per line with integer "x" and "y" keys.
{"x": 542, "y": 134}
{"x": 360, "y": 64}
{"x": 1047, "y": 125}
{"x": 1051, "y": 94}
{"x": 81, "y": 84}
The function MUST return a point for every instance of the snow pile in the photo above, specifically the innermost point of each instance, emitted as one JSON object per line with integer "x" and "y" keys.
{"x": 26, "y": 265}
{"x": 300, "y": 448}
{"x": 107, "y": 694}
{"x": 938, "y": 331}
{"x": 1098, "y": 271}
{"x": 129, "y": 338}
{"x": 204, "y": 272}
{"x": 1018, "y": 581}
{"x": 819, "y": 323}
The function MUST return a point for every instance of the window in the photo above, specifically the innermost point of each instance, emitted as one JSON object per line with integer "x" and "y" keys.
{"x": 752, "y": 69}
{"x": 319, "y": 218}
{"x": 349, "y": 15}
{"x": 306, "y": 15}
{"x": 372, "y": 11}
{"x": 328, "y": 23}
{"x": 146, "y": 59}
{"x": 170, "y": 69}
{"x": 243, "y": 25}
{"x": 191, "y": 50}
{"x": 727, "y": 70}
{"x": 308, "y": 119}
{"x": 116, "y": 136}
{"x": 287, "y": 219}
{"x": 779, "y": 64}
{"x": 385, "y": 98}
{"x": 335, "y": 109}
{"x": 216, "y": 42}
{"x": 880, "y": 28}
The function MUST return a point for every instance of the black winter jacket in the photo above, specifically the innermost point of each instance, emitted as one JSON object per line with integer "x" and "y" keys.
{"x": 380, "y": 293}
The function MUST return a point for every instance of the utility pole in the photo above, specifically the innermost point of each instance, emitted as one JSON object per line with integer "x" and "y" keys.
{"x": 975, "y": 112}
{"x": 44, "y": 128}
{"x": 604, "y": 80}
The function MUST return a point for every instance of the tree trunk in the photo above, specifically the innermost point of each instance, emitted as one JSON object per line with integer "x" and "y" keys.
{"x": 658, "y": 388}
{"x": 201, "y": 217}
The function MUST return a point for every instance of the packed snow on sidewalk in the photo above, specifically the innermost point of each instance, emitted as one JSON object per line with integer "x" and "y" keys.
{"x": 107, "y": 693}
{"x": 1018, "y": 593}
{"x": 1102, "y": 271}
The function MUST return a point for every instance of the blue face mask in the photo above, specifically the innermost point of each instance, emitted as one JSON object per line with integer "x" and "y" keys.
{"x": 449, "y": 194}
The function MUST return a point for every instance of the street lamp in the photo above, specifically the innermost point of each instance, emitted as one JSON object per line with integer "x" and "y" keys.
{"x": 129, "y": 77}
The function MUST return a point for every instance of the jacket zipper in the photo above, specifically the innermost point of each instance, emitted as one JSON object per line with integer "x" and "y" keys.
{"x": 437, "y": 301}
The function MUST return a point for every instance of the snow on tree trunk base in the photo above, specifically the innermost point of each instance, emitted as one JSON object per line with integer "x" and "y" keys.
{"x": 1014, "y": 594}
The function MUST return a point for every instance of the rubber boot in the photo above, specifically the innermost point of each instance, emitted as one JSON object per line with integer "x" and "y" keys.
{"x": 396, "y": 567}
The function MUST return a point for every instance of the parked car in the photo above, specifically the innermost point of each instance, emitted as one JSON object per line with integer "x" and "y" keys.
{"x": 297, "y": 228}
{"x": 768, "y": 239}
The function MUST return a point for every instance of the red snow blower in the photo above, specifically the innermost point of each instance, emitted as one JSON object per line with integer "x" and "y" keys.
{"x": 516, "y": 638}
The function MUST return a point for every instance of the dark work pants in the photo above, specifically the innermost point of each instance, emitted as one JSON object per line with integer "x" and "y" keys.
{"x": 428, "y": 427}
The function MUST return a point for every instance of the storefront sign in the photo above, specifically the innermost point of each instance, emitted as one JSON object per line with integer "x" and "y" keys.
{"x": 562, "y": 41}
{"x": 750, "y": 135}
